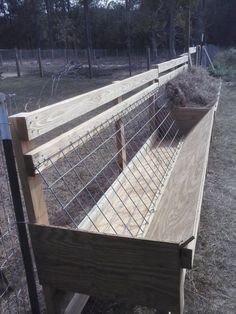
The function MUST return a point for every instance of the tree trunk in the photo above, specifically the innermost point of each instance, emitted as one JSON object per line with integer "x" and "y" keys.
{"x": 172, "y": 17}
{"x": 49, "y": 9}
{"x": 200, "y": 28}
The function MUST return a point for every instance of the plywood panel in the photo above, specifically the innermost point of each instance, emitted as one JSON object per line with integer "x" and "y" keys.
{"x": 179, "y": 208}
{"x": 131, "y": 270}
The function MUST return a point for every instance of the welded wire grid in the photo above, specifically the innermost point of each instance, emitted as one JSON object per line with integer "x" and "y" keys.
{"x": 13, "y": 289}
{"x": 90, "y": 171}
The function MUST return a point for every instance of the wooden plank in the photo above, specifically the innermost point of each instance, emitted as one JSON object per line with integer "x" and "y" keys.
{"x": 39, "y": 122}
{"x": 31, "y": 186}
{"x": 165, "y": 66}
{"x": 52, "y": 148}
{"x": 192, "y": 50}
{"x": 120, "y": 143}
{"x": 187, "y": 117}
{"x": 169, "y": 76}
{"x": 132, "y": 270}
{"x": 179, "y": 207}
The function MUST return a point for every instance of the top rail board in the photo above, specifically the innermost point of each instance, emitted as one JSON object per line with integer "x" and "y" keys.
{"x": 165, "y": 66}
{"x": 36, "y": 123}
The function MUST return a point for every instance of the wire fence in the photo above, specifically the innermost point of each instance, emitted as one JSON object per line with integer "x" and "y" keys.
{"x": 85, "y": 186}
{"x": 74, "y": 62}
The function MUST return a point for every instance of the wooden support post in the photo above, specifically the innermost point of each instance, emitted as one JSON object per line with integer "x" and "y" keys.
{"x": 40, "y": 63}
{"x": 33, "y": 194}
{"x": 190, "y": 62}
{"x": 120, "y": 142}
{"x": 148, "y": 59}
{"x": 17, "y": 63}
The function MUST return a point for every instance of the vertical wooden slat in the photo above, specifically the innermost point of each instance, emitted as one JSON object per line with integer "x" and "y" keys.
{"x": 120, "y": 142}
{"x": 34, "y": 199}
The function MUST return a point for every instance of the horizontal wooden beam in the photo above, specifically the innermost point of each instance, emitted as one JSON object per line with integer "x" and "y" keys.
{"x": 169, "y": 76}
{"x": 53, "y": 148}
{"x": 192, "y": 50}
{"x": 131, "y": 270}
{"x": 168, "y": 65}
{"x": 33, "y": 124}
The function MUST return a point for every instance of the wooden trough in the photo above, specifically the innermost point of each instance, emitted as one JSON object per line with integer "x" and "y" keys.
{"x": 138, "y": 255}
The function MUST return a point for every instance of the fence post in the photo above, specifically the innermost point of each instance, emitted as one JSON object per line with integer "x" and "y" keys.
{"x": 1, "y": 59}
{"x": 40, "y": 63}
{"x": 17, "y": 204}
{"x": 148, "y": 58}
{"x": 20, "y": 56}
{"x": 120, "y": 143}
{"x": 17, "y": 63}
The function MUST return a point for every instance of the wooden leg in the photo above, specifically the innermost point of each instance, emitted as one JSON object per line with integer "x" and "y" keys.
{"x": 50, "y": 300}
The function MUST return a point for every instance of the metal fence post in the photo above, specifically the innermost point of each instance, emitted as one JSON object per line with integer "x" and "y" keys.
{"x": 17, "y": 63}
{"x": 40, "y": 63}
{"x": 17, "y": 204}
{"x": 148, "y": 59}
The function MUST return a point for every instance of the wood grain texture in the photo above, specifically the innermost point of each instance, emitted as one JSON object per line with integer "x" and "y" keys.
{"x": 169, "y": 76}
{"x": 192, "y": 50}
{"x": 165, "y": 66}
{"x": 127, "y": 206}
{"x": 52, "y": 148}
{"x": 41, "y": 121}
{"x": 131, "y": 270}
{"x": 187, "y": 117}
{"x": 179, "y": 208}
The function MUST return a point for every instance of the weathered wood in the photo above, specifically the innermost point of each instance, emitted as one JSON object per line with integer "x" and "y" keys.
{"x": 192, "y": 50}
{"x": 120, "y": 143}
{"x": 179, "y": 207}
{"x": 187, "y": 117}
{"x": 52, "y": 148}
{"x": 168, "y": 65}
{"x": 41, "y": 121}
{"x": 169, "y": 76}
{"x": 31, "y": 186}
{"x": 132, "y": 270}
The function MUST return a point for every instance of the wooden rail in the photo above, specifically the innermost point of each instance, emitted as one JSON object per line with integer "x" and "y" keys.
{"x": 26, "y": 127}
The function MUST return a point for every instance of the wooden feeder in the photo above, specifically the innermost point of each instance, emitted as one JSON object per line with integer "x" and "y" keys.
{"x": 137, "y": 241}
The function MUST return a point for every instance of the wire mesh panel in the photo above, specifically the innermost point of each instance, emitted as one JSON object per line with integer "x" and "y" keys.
{"x": 13, "y": 289}
{"x": 84, "y": 183}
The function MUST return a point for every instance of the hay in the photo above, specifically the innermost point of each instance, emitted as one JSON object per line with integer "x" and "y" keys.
{"x": 194, "y": 88}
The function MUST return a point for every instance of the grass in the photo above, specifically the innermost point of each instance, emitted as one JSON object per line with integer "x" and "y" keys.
{"x": 225, "y": 64}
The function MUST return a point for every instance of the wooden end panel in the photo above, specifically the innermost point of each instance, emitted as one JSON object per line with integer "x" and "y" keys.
{"x": 187, "y": 117}
{"x": 132, "y": 270}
